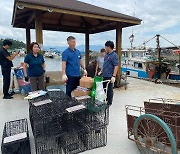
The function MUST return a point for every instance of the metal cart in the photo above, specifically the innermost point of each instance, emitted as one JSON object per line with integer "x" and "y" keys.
{"x": 155, "y": 128}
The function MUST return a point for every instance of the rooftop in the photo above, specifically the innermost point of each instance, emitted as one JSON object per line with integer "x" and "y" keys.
{"x": 69, "y": 15}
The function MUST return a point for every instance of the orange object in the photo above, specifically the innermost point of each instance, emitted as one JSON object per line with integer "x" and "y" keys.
{"x": 176, "y": 51}
{"x": 151, "y": 74}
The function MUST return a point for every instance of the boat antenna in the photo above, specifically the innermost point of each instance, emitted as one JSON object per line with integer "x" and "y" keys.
{"x": 144, "y": 42}
{"x": 131, "y": 37}
{"x": 143, "y": 23}
{"x": 159, "y": 55}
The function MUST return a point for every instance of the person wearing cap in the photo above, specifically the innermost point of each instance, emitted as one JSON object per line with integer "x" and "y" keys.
{"x": 109, "y": 70}
{"x": 6, "y": 64}
{"x": 71, "y": 62}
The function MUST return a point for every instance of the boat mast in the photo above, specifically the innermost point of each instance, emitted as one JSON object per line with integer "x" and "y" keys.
{"x": 159, "y": 55}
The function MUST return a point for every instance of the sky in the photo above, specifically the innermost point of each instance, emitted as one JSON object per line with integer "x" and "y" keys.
{"x": 158, "y": 17}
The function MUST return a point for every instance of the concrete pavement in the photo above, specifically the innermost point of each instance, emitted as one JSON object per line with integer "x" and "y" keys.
{"x": 137, "y": 92}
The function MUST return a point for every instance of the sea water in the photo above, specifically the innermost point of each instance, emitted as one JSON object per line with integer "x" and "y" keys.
{"x": 51, "y": 64}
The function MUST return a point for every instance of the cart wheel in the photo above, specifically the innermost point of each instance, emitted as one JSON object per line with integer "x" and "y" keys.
{"x": 153, "y": 134}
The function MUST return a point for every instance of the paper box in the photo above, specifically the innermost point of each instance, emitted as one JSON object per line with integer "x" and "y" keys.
{"x": 86, "y": 82}
{"x": 78, "y": 93}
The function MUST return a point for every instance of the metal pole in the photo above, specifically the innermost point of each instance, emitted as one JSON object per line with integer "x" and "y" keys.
{"x": 87, "y": 48}
{"x": 159, "y": 55}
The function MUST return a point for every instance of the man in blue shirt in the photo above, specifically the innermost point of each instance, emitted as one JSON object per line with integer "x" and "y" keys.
{"x": 71, "y": 62}
{"x": 109, "y": 70}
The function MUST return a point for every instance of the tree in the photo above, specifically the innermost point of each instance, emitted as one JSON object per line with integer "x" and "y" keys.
{"x": 15, "y": 44}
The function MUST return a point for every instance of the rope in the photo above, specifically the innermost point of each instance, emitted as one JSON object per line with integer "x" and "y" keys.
{"x": 146, "y": 41}
{"x": 170, "y": 42}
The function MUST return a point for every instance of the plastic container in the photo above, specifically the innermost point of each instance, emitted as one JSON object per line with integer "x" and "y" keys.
{"x": 16, "y": 138}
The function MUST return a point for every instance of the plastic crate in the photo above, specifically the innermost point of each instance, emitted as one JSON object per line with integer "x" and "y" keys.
{"x": 37, "y": 99}
{"x": 73, "y": 125}
{"x": 50, "y": 146}
{"x": 16, "y": 138}
{"x": 72, "y": 143}
{"x": 65, "y": 103}
{"x": 95, "y": 138}
{"x": 93, "y": 120}
{"x": 46, "y": 121}
{"x": 50, "y": 119}
{"x": 57, "y": 94}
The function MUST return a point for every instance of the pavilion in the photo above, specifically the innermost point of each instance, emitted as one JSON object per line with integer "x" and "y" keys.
{"x": 70, "y": 16}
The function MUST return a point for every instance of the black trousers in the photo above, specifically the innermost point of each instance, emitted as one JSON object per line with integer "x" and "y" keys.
{"x": 72, "y": 84}
{"x": 6, "y": 80}
{"x": 109, "y": 91}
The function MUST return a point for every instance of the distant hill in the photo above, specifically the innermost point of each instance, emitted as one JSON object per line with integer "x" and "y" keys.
{"x": 19, "y": 44}
{"x": 96, "y": 48}
{"x": 16, "y": 44}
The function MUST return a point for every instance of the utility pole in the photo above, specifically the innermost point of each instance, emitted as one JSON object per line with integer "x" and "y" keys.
{"x": 159, "y": 55}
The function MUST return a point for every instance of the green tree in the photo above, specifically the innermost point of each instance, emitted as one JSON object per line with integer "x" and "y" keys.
{"x": 16, "y": 44}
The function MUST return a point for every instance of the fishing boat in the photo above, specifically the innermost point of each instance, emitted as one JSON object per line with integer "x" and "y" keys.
{"x": 137, "y": 63}
{"x": 176, "y": 74}
{"x": 49, "y": 54}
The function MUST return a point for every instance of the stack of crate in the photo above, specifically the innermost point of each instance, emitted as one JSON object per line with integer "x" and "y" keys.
{"x": 16, "y": 138}
{"x": 62, "y": 123}
{"x": 94, "y": 134}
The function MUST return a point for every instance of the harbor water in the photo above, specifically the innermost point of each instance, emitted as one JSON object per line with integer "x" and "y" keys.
{"x": 51, "y": 64}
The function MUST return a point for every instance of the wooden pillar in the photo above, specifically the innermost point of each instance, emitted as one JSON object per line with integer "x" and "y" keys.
{"x": 119, "y": 51}
{"x": 87, "y": 48}
{"x": 38, "y": 28}
{"x": 28, "y": 38}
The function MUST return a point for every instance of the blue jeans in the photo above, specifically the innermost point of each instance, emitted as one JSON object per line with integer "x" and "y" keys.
{"x": 72, "y": 84}
{"x": 109, "y": 91}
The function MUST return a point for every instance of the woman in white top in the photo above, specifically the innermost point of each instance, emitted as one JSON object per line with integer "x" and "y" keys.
{"x": 100, "y": 61}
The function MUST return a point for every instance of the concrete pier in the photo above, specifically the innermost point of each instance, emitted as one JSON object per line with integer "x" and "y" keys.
{"x": 137, "y": 92}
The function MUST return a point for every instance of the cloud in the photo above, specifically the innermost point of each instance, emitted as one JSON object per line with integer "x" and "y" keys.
{"x": 159, "y": 17}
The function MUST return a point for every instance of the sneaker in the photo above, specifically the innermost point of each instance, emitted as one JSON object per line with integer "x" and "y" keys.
{"x": 8, "y": 97}
{"x": 109, "y": 104}
{"x": 10, "y": 94}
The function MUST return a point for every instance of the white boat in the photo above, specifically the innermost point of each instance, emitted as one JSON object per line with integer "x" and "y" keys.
{"x": 137, "y": 63}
